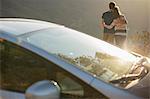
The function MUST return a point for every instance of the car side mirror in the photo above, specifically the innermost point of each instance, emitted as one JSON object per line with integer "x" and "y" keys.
{"x": 43, "y": 90}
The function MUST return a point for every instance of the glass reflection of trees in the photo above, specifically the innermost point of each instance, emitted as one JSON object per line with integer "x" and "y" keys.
{"x": 102, "y": 65}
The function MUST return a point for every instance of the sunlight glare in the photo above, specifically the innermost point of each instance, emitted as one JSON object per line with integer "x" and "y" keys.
{"x": 115, "y": 51}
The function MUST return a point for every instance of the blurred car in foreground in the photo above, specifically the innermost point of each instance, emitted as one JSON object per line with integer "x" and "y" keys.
{"x": 41, "y": 60}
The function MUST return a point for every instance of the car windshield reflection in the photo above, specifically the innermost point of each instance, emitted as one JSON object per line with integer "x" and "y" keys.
{"x": 103, "y": 66}
{"x": 92, "y": 55}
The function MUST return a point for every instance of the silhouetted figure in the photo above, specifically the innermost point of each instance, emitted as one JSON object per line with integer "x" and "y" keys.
{"x": 108, "y": 18}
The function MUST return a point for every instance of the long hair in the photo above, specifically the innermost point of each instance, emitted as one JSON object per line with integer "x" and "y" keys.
{"x": 116, "y": 12}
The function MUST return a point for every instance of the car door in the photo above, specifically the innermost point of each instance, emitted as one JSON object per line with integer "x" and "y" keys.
{"x": 20, "y": 68}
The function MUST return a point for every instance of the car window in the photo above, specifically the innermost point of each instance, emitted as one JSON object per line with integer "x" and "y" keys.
{"x": 94, "y": 56}
{"x": 21, "y": 68}
{"x": 68, "y": 85}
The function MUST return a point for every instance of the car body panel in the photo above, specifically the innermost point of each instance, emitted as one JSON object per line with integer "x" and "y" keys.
{"x": 25, "y": 34}
{"x": 18, "y": 26}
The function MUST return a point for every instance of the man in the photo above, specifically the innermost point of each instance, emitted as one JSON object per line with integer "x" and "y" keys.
{"x": 108, "y": 18}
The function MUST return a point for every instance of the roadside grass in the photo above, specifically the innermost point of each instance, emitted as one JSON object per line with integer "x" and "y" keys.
{"x": 140, "y": 43}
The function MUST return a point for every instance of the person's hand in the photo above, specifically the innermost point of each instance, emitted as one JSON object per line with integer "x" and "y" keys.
{"x": 102, "y": 25}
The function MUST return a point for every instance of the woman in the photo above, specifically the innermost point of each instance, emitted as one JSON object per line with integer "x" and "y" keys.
{"x": 120, "y": 25}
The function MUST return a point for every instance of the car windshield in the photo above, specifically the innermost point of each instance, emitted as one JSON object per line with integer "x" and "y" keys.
{"x": 90, "y": 54}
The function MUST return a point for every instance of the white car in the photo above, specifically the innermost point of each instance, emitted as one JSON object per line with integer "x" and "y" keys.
{"x": 43, "y": 60}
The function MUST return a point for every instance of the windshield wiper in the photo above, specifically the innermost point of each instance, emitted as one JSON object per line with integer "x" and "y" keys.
{"x": 137, "y": 66}
{"x": 139, "y": 62}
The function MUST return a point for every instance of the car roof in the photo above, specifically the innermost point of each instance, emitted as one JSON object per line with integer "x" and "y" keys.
{"x": 17, "y": 26}
{"x": 24, "y": 27}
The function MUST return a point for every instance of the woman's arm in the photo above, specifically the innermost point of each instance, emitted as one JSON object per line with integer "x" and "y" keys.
{"x": 110, "y": 26}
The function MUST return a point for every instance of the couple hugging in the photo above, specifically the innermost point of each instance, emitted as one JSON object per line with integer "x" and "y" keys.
{"x": 115, "y": 26}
